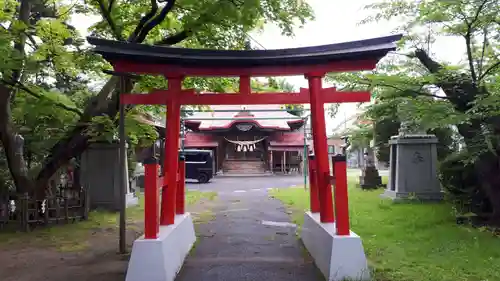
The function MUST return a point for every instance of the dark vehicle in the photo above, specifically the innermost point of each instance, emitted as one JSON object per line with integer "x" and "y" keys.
{"x": 199, "y": 165}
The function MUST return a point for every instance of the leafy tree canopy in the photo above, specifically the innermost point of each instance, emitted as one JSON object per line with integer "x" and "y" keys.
{"x": 54, "y": 92}
{"x": 435, "y": 94}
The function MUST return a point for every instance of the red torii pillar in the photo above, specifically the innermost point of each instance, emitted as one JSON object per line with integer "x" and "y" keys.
{"x": 169, "y": 182}
{"x": 322, "y": 166}
{"x": 171, "y": 158}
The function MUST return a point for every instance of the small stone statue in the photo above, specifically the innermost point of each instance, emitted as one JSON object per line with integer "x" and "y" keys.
{"x": 370, "y": 177}
{"x": 346, "y": 144}
{"x": 369, "y": 162}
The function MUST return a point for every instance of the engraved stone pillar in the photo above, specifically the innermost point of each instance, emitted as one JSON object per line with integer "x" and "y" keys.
{"x": 413, "y": 168}
{"x": 100, "y": 175}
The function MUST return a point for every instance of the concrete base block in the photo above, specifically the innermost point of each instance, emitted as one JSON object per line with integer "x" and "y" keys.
{"x": 406, "y": 196}
{"x": 161, "y": 259}
{"x": 337, "y": 257}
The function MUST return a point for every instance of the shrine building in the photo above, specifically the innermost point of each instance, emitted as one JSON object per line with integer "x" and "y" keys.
{"x": 248, "y": 139}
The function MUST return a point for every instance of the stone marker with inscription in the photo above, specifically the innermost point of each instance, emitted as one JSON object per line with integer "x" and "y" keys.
{"x": 100, "y": 175}
{"x": 413, "y": 167}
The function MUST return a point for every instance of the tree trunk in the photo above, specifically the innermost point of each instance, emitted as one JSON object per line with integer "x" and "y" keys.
{"x": 461, "y": 92}
{"x": 76, "y": 141}
{"x": 13, "y": 151}
{"x": 8, "y": 135}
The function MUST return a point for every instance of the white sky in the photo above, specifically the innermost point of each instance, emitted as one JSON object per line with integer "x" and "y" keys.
{"x": 335, "y": 21}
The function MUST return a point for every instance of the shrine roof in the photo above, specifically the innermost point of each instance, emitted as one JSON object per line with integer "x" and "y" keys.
{"x": 287, "y": 139}
{"x": 243, "y": 114}
{"x": 196, "y": 140}
{"x": 212, "y": 61}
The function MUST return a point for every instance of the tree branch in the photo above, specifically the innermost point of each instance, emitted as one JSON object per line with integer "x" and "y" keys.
{"x": 478, "y": 12}
{"x": 110, "y": 6}
{"x": 174, "y": 39}
{"x": 155, "y": 21}
{"x": 27, "y": 90}
{"x": 483, "y": 51}
{"x": 417, "y": 93}
{"x": 468, "y": 44}
{"x": 32, "y": 40}
{"x": 490, "y": 69}
{"x": 144, "y": 20}
{"x": 24, "y": 14}
{"x": 425, "y": 59}
{"x": 107, "y": 16}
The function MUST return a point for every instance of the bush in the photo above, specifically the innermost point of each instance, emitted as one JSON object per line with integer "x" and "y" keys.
{"x": 458, "y": 178}
{"x": 447, "y": 144}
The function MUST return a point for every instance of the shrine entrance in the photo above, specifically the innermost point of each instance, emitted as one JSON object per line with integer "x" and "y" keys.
{"x": 161, "y": 252}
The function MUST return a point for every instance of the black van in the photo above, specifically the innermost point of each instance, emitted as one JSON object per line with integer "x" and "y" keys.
{"x": 199, "y": 164}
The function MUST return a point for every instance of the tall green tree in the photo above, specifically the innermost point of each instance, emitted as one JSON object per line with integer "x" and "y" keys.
{"x": 440, "y": 94}
{"x": 45, "y": 57}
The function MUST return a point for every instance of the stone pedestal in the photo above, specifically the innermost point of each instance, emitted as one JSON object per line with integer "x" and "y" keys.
{"x": 339, "y": 258}
{"x": 100, "y": 175}
{"x": 370, "y": 179}
{"x": 161, "y": 259}
{"x": 413, "y": 169}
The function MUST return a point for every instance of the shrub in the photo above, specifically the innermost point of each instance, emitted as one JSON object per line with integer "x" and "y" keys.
{"x": 458, "y": 178}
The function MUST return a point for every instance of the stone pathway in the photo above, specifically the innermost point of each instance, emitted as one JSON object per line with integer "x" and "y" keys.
{"x": 251, "y": 238}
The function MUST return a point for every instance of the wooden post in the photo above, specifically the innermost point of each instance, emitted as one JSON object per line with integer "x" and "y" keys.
{"x": 341, "y": 196}
{"x": 25, "y": 212}
{"x": 180, "y": 204}
{"x": 320, "y": 149}
{"x": 123, "y": 173}
{"x": 151, "y": 199}
{"x": 46, "y": 213}
{"x": 245, "y": 85}
{"x": 66, "y": 206}
{"x": 86, "y": 203}
{"x": 313, "y": 187}
{"x": 271, "y": 164}
{"x": 284, "y": 162}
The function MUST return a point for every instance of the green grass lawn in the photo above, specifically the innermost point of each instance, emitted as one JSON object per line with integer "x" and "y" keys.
{"x": 74, "y": 236}
{"x": 412, "y": 242}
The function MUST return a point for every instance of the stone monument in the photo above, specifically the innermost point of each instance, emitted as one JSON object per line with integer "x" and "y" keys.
{"x": 100, "y": 175}
{"x": 369, "y": 179}
{"x": 413, "y": 165}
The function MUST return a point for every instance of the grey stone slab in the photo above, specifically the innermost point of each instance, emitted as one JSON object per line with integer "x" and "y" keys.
{"x": 100, "y": 175}
{"x": 413, "y": 171}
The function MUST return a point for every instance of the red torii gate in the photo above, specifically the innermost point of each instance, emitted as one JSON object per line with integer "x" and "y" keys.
{"x": 174, "y": 97}
{"x": 177, "y": 63}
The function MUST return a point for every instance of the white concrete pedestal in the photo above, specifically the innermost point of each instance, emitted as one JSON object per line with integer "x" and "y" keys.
{"x": 337, "y": 257}
{"x": 161, "y": 259}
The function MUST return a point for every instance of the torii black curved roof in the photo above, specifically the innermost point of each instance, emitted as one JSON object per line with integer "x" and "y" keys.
{"x": 368, "y": 49}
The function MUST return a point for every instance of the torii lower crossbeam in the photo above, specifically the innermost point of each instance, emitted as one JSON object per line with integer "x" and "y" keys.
{"x": 189, "y": 97}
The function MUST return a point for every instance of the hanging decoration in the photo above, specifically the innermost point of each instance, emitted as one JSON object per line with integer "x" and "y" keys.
{"x": 245, "y": 145}
{"x": 244, "y": 127}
